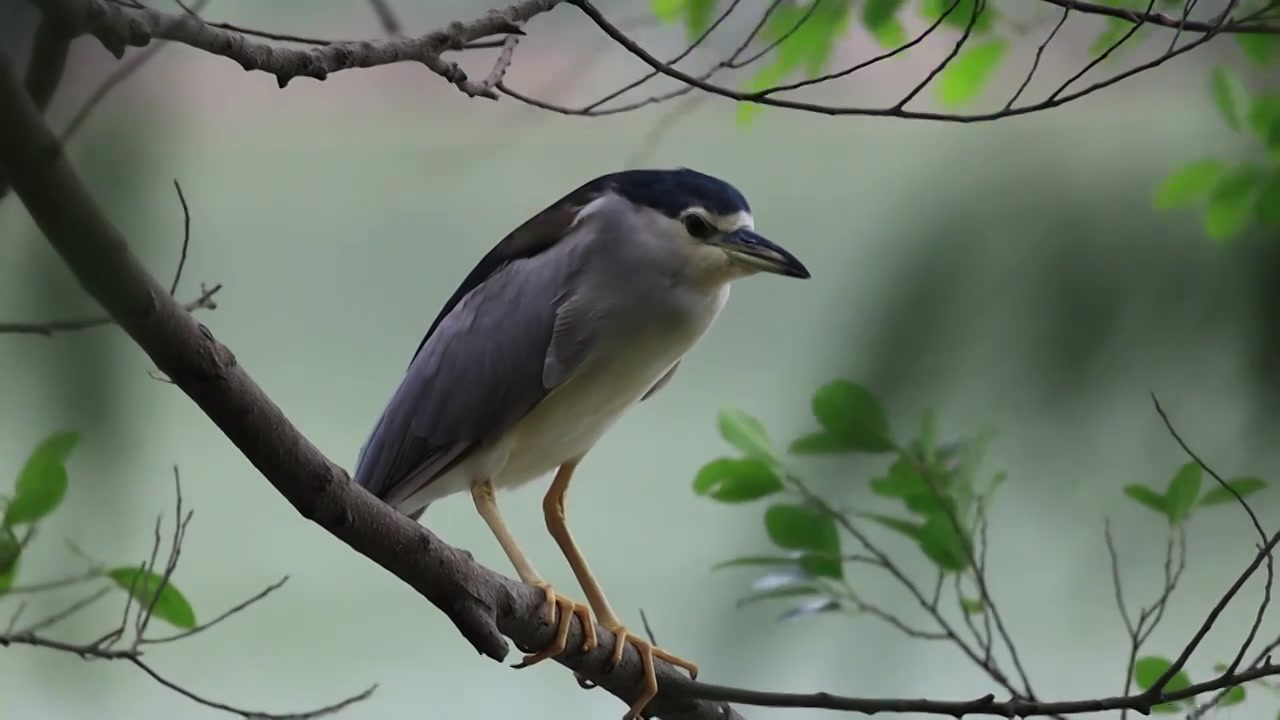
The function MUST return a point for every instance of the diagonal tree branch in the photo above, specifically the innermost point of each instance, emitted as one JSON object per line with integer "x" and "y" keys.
{"x": 483, "y": 604}
{"x": 117, "y": 27}
{"x": 49, "y": 49}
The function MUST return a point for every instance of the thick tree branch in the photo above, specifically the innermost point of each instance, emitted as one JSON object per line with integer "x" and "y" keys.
{"x": 483, "y": 604}
{"x": 49, "y": 50}
{"x": 118, "y": 27}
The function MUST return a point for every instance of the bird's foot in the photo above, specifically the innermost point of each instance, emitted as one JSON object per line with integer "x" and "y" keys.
{"x": 560, "y": 610}
{"x": 622, "y": 636}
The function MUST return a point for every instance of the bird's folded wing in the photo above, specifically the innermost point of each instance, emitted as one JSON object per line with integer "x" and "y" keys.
{"x": 486, "y": 365}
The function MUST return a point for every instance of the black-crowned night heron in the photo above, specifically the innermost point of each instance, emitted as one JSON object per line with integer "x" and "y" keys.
{"x": 577, "y": 315}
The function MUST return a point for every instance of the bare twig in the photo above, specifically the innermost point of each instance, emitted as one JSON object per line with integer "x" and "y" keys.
{"x": 203, "y": 301}
{"x": 118, "y": 27}
{"x": 230, "y": 612}
{"x": 386, "y": 16}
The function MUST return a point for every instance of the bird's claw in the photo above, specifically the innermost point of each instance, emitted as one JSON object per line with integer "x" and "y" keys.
{"x": 622, "y": 636}
{"x": 561, "y": 607}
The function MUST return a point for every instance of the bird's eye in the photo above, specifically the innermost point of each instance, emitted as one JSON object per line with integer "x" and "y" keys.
{"x": 697, "y": 226}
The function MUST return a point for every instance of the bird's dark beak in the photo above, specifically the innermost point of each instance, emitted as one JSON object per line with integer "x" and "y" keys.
{"x": 754, "y": 250}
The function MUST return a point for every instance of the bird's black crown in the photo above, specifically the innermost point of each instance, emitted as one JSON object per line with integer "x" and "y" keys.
{"x": 672, "y": 191}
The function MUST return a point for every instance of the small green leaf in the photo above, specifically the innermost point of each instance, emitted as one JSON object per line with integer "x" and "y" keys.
{"x": 1147, "y": 670}
{"x": 800, "y": 590}
{"x": 796, "y": 527}
{"x": 849, "y": 411}
{"x": 1233, "y": 696}
{"x": 1168, "y": 708}
{"x": 736, "y": 480}
{"x": 972, "y": 606}
{"x": 1188, "y": 184}
{"x": 1258, "y": 47}
{"x": 942, "y": 544}
{"x": 821, "y": 443}
{"x": 1269, "y": 197}
{"x": 1184, "y": 488}
{"x": 171, "y": 606}
{"x": 10, "y": 555}
{"x": 1147, "y": 497}
{"x": 1231, "y": 202}
{"x": 1229, "y": 94}
{"x": 964, "y": 78}
{"x": 822, "y": 565}
{"x": 745, "y": 432}
{"x": 668, "y": 10}
{"x": 42, "y": 483}
{"x": 962, "y": 14}
{"x": 881, "y": 18}
{"x": 906, "y": 527}
{"x": 1117, "y": 29}
{"x": 1264, "y": 113}
{"x": 902, "y": 481}
{"x": 758, "y": 560}
{"x": 1245, "y": 486}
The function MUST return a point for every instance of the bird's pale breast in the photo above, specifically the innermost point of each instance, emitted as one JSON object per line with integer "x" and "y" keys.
{"x": 573, "y": 417}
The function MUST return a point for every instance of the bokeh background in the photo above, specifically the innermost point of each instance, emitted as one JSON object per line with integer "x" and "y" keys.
{"x": 1011, "y": 272}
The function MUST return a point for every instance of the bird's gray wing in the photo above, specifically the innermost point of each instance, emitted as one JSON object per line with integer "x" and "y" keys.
{"x": 489, "y": 361}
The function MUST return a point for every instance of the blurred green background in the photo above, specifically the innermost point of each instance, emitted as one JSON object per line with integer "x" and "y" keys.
{"x": 1009, "y": 271}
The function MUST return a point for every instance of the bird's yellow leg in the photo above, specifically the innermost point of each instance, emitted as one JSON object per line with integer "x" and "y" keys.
{"x": 487, "y": 506}
{"x": 553, "y": 510}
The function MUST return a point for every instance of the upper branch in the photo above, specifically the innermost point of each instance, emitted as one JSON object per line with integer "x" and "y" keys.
{"x": 118, "y": 27}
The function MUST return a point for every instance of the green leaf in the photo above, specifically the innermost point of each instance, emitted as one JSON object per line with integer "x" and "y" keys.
{"x": 1147, "y": 670}
{"x": 822, "y": 565}
{"x": 1245, "y": 486}
{"x": 697, "y": 17}
{"x": 1258, "y": 47}
{"x": 171, "y": 606}
{"x": 782, "y": 592}
{"x": 965, "y": 76}
{"x": 906, "y": 527}
{"x": 942, "y": 544}
{"x": 1147, "y": 497}
{"x": 849, "y": 411}
{"x": 1269, "y": 197}
{"x": 962, "y": 15}
{"x": 42, "y": 483}
{"x": 902, "y": 481}
{"x": 736, "y": 480}
{"x": 1233, "y": 696}
{"x": 796, "y": 527}
{"x": 745, "y": 432}
{"x": 1231, "y": 202}
{"x": 1264, "y": 113}
{"x": 1184, "y": 488}
{"x": 10, "y": 554}
{"x": 1115, "y": 31}
{"x": 758, "y": 560}
{"x": 876, "y": 13}
{"x": 668, "y": 10}
{"x": 1188, "y": 184}
{"x": 1229, "y": 94}
{"x": 972, "y": 606}
{"x": 821, "y": 443}
{"x": 881, "y": 18}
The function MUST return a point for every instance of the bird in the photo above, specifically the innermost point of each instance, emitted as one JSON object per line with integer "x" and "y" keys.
{"x": 571, "y": 320}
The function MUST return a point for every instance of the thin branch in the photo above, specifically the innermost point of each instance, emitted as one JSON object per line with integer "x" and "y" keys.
{"x": 118, "y": 27}
{"x": 251, "y": 714}
{"x": 49, "y": 49}
{"x": 204, "y": 301}
{"x": 386, "y": 16}
{"x": 118, "y": 76}
{"x": 232, "y": 611}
